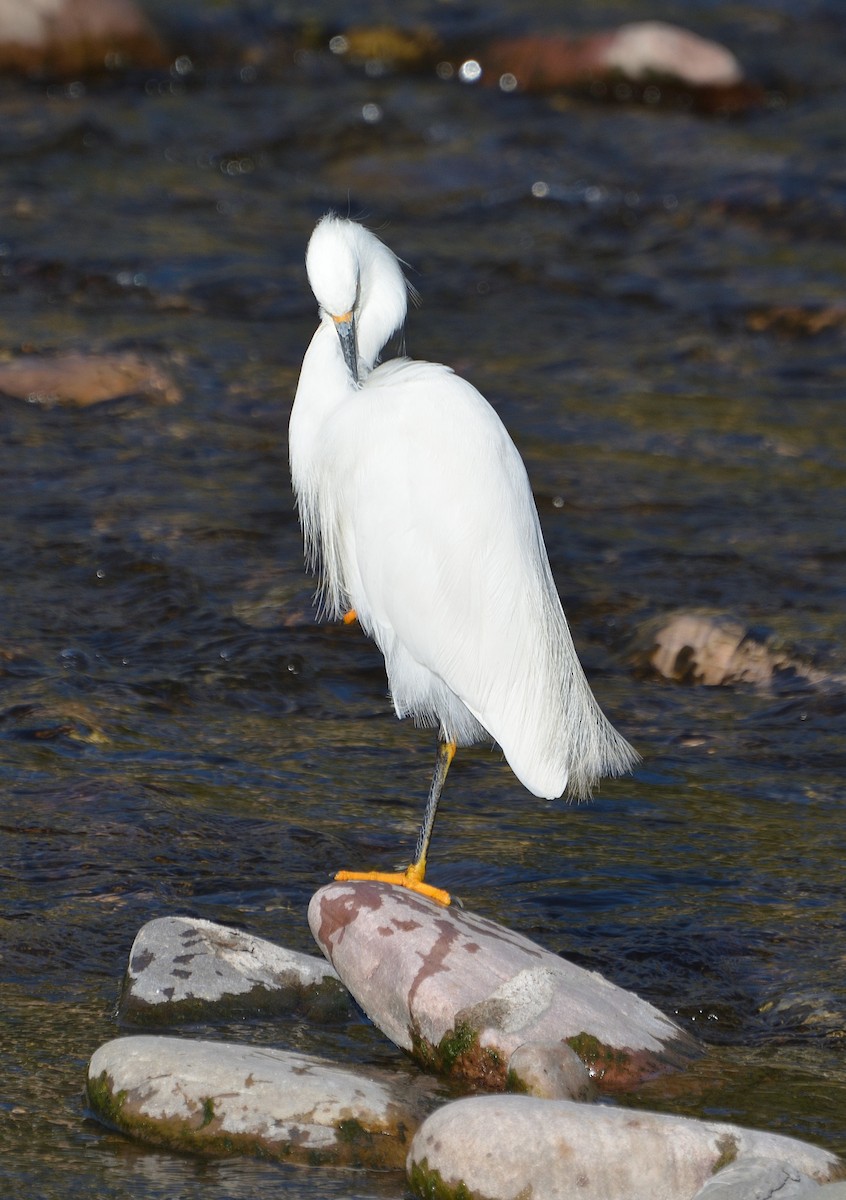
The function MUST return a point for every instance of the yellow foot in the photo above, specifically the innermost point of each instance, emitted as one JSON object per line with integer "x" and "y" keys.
{"x": 350, "y": 616}
{"x": 410, "y": 878}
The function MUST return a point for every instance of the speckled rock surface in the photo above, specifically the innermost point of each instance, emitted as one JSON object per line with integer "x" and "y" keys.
{"x": 507, "y": 1147}
{"x": 181, "y": 968}
{"x": 463, "y": 993}
{"x": 218, "y": 1098}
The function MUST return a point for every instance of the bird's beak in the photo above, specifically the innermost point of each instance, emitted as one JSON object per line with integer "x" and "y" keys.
{"x": 345, "y": 325}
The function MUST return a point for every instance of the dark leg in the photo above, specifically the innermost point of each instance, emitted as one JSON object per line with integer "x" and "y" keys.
{"x": 446, "y": 753}
{"x": 412, "y": 876}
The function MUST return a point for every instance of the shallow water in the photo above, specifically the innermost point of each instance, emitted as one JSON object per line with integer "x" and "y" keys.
{"x": 178, "y": 735}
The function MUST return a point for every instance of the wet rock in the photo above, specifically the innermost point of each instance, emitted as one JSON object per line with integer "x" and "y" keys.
{"x": 186, "y": 969}
{"x": 73, "y": 37}
{"x": 462, "y": 994}
{"x": 649, "y": 49}
{"x": 219, "y": 1098}
{"x": 85, "y": 379}
{"x": 640, "y": 51}
{"x": 505, "y": 1147}
{"x": 547, "y": 1070}
{"x": 715, "y": 649}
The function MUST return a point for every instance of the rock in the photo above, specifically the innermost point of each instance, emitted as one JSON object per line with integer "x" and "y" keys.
{"x": 716, "y": 649}
{"x": 758, "y": 1179}
{"x": 640, "y": 51}
{"x": 186, "y": 969}
{"x": 85, "y": 379}
{"x": 462, "y": 994}
{"x": 219, "y": 1098}
{"x": 649, "y": 49}
{"x": 506, "y": 1147}
{"x": 547, "y": 1070}
{"x": 72, "y": 37}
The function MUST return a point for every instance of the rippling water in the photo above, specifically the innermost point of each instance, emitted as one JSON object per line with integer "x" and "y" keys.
{"x": 178, "y": 735}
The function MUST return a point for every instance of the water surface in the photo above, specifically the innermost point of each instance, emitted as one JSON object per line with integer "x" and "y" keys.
{"x": 179, "y": 736}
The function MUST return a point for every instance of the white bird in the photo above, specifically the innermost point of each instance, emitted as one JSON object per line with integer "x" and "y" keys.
{"x": 417, "y": 513}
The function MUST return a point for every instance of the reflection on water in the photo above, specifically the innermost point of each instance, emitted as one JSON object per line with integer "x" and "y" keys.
{"x": 179, "y": 736}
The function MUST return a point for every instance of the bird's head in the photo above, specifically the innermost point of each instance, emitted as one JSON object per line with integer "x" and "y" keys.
{"x": 359, "y": 285}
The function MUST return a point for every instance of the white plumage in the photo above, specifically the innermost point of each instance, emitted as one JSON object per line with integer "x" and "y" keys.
{"x": 418, "y": 514}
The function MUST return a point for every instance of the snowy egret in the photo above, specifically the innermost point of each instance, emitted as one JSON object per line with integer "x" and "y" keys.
{"x": 417, "y": 513}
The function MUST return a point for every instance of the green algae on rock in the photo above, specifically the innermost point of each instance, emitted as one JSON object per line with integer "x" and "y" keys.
{"x": 216, "y": 1098}
{"x": 462, "y": 994}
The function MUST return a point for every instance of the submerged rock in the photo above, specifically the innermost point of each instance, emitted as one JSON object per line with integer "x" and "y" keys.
{"x": 81, "y": 380}
{"x": 507, "y": 1147}
{"x": 218, "y": 1098}
{"x": 715, "y": 649}
{"x": 181, "y": 968}
{"x": 463, "y": 994}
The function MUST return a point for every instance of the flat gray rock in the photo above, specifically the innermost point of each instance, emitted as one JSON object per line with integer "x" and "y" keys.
{"x": 219, "y": 1098}
{"x": 181, "y": 968}
{"x": 509, "y": 1147}
{"x": 462, "y": 993}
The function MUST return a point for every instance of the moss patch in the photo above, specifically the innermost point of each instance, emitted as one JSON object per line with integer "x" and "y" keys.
{"x": 727, "y": 1147}
{"x": 459, "y": 1055}
{"x": 104, "y": 1102}
{"x": 602, "y": 1060}
{"x": 429, "y": 1184}
{"x": 513, "y": 1083}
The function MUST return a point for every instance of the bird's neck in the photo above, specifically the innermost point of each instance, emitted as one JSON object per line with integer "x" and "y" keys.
{"x": 324, "y": 384}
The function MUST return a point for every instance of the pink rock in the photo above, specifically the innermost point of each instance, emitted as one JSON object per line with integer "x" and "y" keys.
{"x": 462, "y": 994}
{"x": 640, "y": 51}
{"x": 66, "y": 37}
{"x": 653, "y": 48}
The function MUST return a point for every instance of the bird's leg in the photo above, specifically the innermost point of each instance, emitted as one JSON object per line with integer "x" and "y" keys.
{"x": 349, "y": 616}
{"x": 412, "y": 876}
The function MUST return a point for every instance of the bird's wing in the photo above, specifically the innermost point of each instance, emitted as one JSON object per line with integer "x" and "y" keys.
{"x": 443, "y": 552}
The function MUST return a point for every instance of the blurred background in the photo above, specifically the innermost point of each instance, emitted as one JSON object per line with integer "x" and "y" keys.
{"x": 641, "y": 265}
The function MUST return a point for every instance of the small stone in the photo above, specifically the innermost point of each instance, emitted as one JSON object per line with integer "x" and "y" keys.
{"x": 650, "y": 49}
{"x": 463, "y": 993}
{"x": 219, "y": 1098}
{"x": 550, "y": 1070}
{"x": 506, "y": 1147}
{"x": 181, "y": 968}
{"x": 713, "y": 650}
